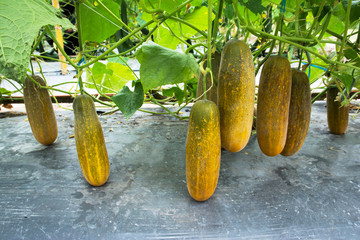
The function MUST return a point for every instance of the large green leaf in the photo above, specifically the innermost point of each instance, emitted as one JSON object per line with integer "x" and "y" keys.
{"x": 113, "y": 75}
{"x": 254, "y": 6}
{"x": 127, "y": 101}
{"x": 336, "y": 25}
{"x": 20, "y": 22}
{"x": 354, "y": 11}
{"x": 168, "y": 33}
{"x": 161, "y": 66}
{"x": 198, "y": 18}
{"x": 164, "y": 37}
{"x": 315, "y": 71}
{"x": 229, "y": 11}
{"x": 168, "y": 5}
{"x": 96, "y": 23}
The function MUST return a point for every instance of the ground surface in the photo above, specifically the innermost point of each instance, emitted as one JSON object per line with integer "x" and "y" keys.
{"x": 312, "y": 195}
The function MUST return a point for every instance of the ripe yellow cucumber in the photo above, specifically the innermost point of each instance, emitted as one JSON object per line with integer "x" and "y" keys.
{"x": 203, "y": 150}
{"x": 236, "y": 95}
{"x": 337, "y": 115}
{"x": 40, "y": 111}
{"x": 299, "y": 113}
{"x": 90, "y": 142}
{"x": 212, "y": 93}
{"x": 273, "y": 105}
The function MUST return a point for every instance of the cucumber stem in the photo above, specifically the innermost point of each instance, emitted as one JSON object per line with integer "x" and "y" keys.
{"x": 341, "y": 54}
{"x": 208, "y": 65}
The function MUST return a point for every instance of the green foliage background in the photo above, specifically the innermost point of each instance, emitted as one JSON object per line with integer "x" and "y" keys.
{"x": 169, "y": 38}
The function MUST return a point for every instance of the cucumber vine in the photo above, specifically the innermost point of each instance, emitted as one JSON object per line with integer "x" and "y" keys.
{"x": 299, "y": 27}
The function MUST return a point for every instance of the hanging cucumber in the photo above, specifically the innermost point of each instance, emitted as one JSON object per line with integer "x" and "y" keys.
{"x": 337, "y": 115}
{"x": 40, "y": 111}
{"x": 299, "y": 113}
{"x": 273, "y": 105}
{"x": 236, "y": 95}
{"x": 203, "y": 150}
{"x": 90, "y": 142}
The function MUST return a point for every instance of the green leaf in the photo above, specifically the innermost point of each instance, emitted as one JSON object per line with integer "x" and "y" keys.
{"x": 164, "y": 37}
{"x": 168, "y": 33}
{"x": 5, "y": 91}
{"x": 127, "y": 101}
{"x": 21, "y": 21}
{"x": 292, "y": 4}
{"x": 338, "y": 11}
{"x": 229, "y": 11}
{"x": 355, "y": 9}
{"x": 199, "y": 19}
{"x": 350, "y": 54}
{"x": 357, "y": 82}
{"x": 265, "y": 3}
{"x": 113, "y": 75}
{"x": 345, "y": 78}
{"x": 336, "y": 25}
{"x": 316, "y": 70}
{"x": 166, "y": 5}
{"x": 140, "y": 20}
{"x": 315, "y": 74}
{"x": 96, "y": 23}
{"x": 161, "y": 66}
{"x": 178, "y": 92}
{"x": 196, "y": 3}
{"x": 254, "y": 6}
{"x": 324, "y": 11}
{"x": 122, "y": 60}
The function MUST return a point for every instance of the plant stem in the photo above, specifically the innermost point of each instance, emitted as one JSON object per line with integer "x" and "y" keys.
{"x": 50, "y": 58}
{"x": 300, "y": 59}
{"x": 216, "y": 23}
{"x": 324, "y": 26}
{"x": 208, "y": 65}
{"x": 319, "y": 95}
{"x": 118, "y": 43}
{"x": 151, "y": 112}
{"x": 297, "y": 29}
{"x": 262, "y": 48}
{"x": 341, "y": 53}
{"x": 163, "y": 107}
{"x": 237, "y": 20}
{"x": 340, "y": 38}
{"x": 17, "y": 89}
{"x": 358, "y": 37}
{"x": 310, "y": 50}
{"x": 189, "y": 24}
{"x": 98, "y": 100}
{"x": 194, "y": 46}
{"x": 38, "y": 41}
{"x": 272, "y": 44}
{"x": 281, "y": 17}
{"x": 59, "y": 47}
{"x": 72, "y": 82}
{"x": 143, "y": 6}
{"x": 316, "y": 18}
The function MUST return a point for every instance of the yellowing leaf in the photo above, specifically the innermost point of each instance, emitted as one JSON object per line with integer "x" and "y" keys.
{"x": 112, "y": 76}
